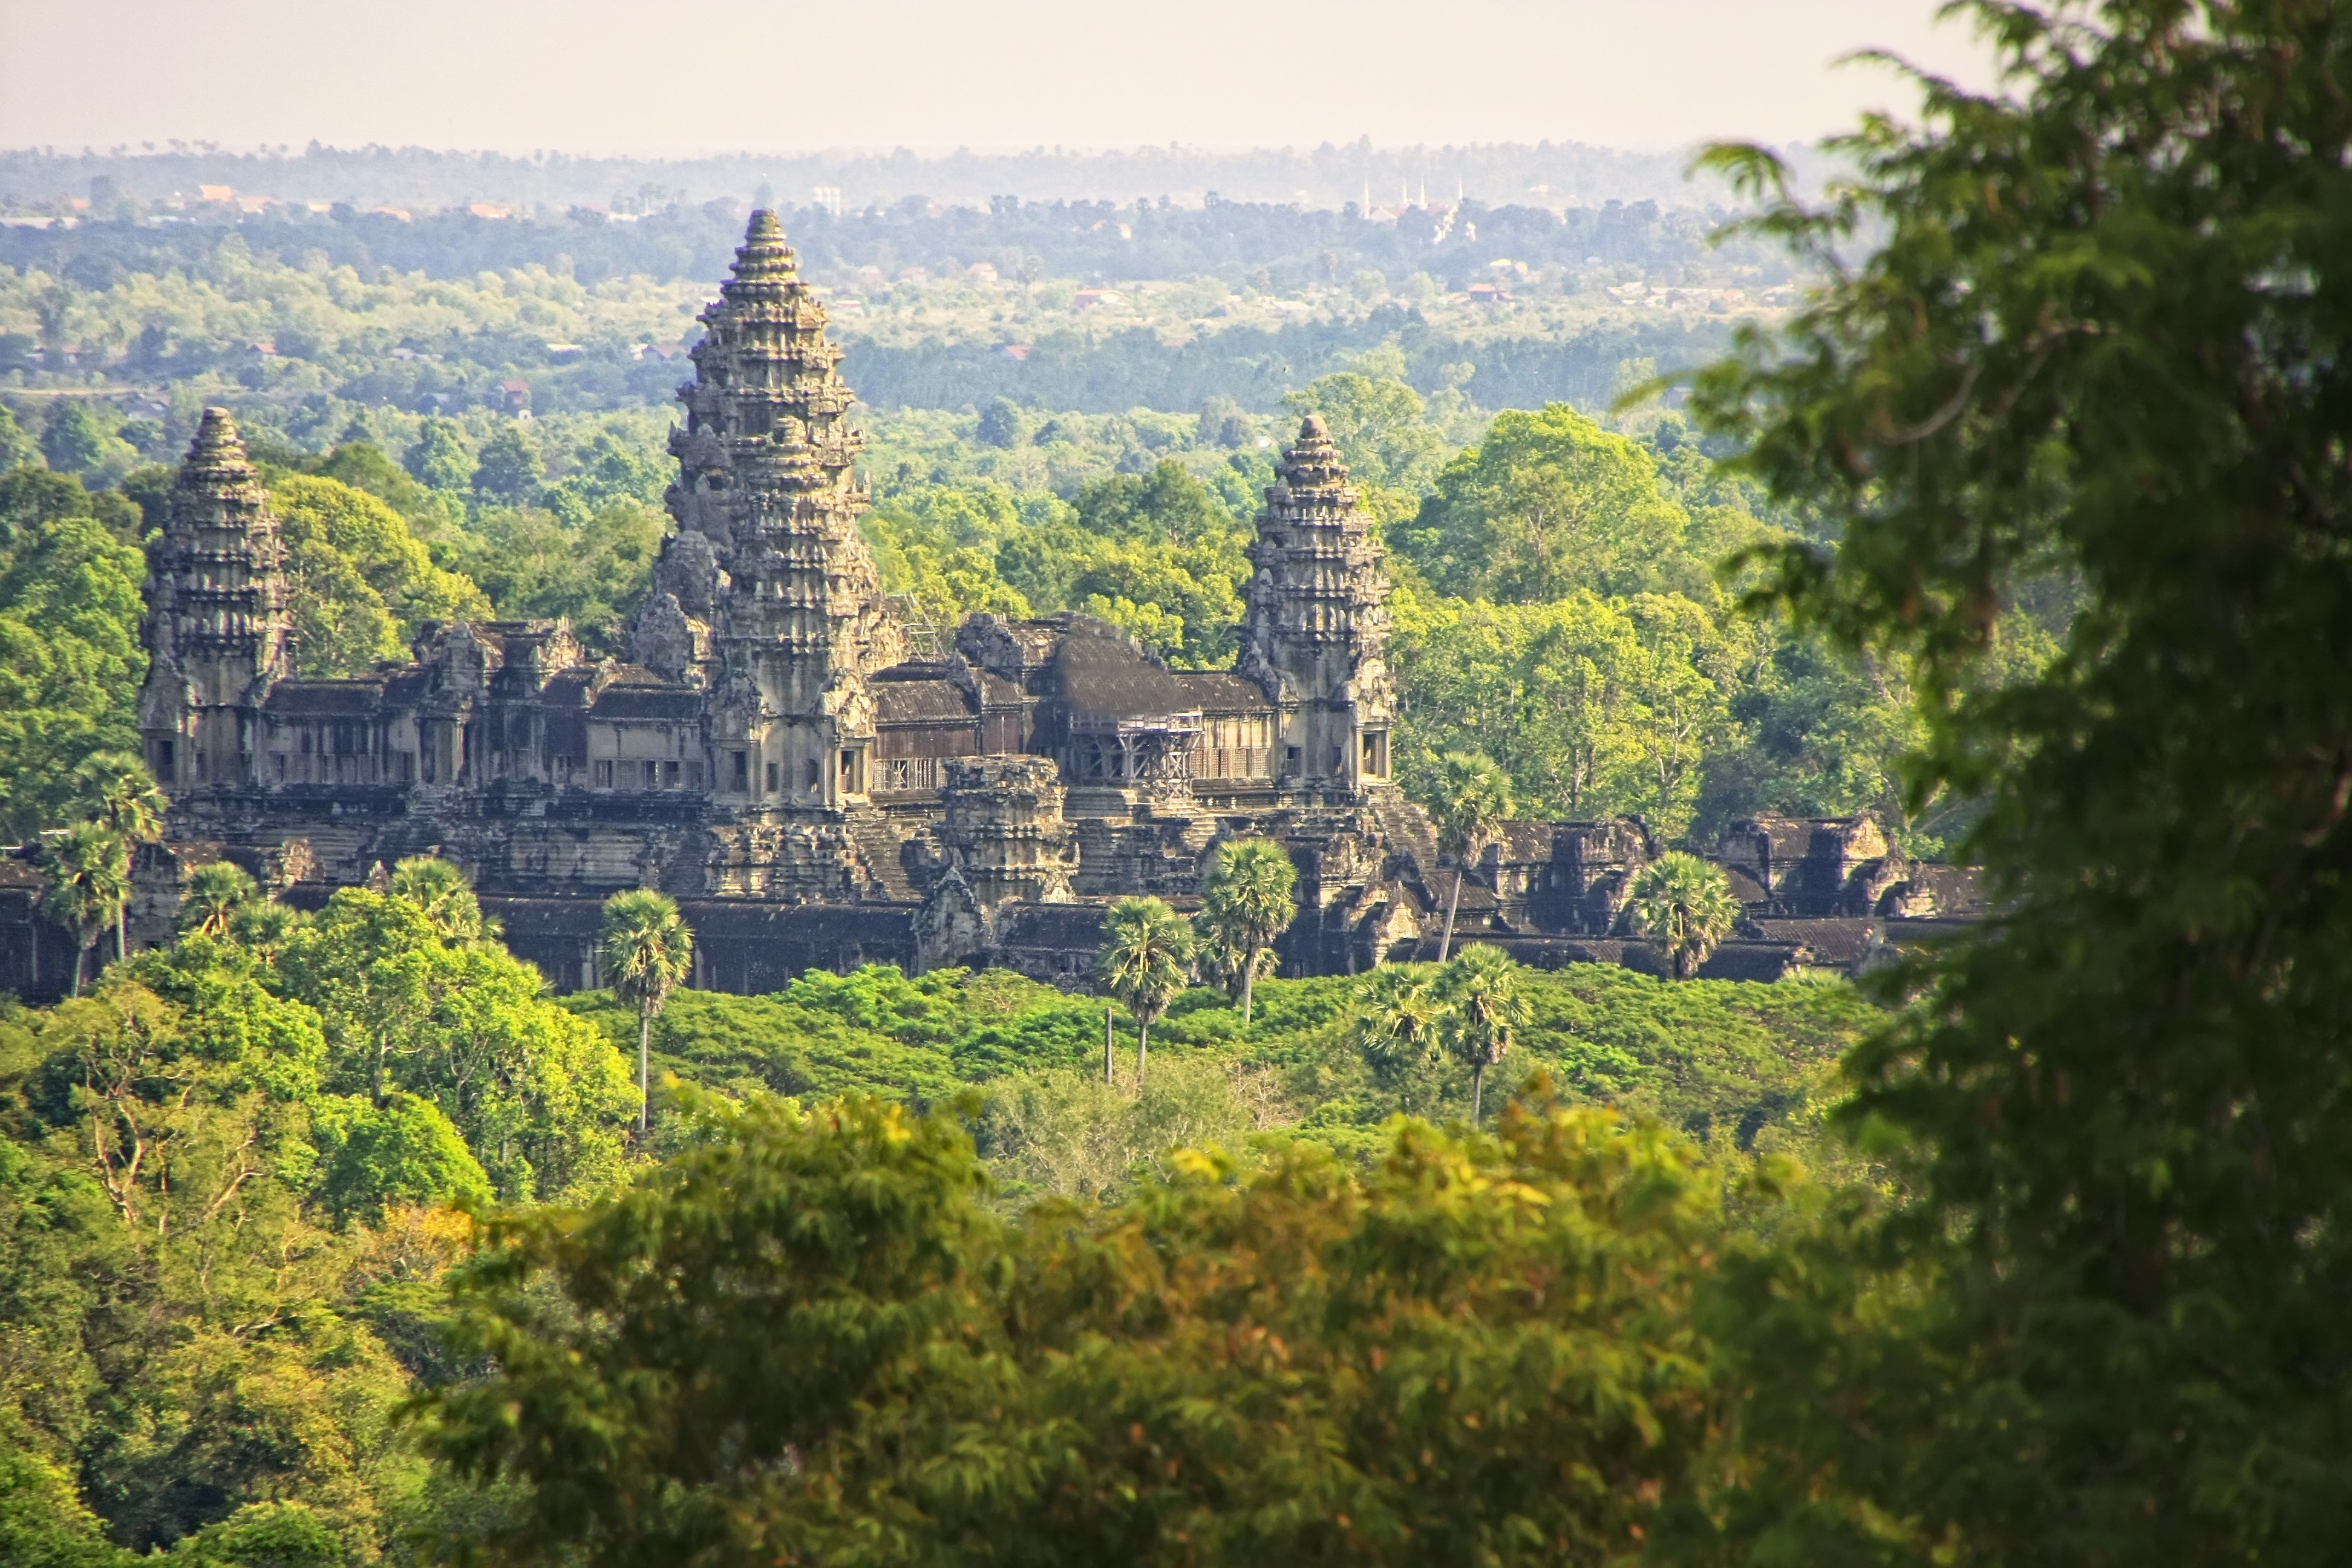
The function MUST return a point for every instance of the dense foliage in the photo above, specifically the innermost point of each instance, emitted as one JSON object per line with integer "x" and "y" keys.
{"x": 223, "y": 1177}
{"x": 2100, "y": 339}
{"x": 222, "y": 1182}
{"x": 810, "y": 1339}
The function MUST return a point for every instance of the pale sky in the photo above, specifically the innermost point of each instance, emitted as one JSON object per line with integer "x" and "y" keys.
{"x": 628, "y": 76}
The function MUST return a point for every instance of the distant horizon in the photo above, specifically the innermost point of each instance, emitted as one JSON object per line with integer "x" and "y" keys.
{"x": 621, "y": 77}
{"x": 1553, "y": 173}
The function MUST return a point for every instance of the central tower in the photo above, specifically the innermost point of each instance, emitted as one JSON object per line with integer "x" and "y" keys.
{"x": 766, "y": 595}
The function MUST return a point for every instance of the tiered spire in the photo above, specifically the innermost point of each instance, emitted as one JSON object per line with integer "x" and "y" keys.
{"x": 1319, "y": 583}
{"x": 765, "y": 469}
{"x": 217, "y": 609}
{"x": 218, "y": 572}
{"x": 765, "y": 374}
{"x": 1315, "y": 624}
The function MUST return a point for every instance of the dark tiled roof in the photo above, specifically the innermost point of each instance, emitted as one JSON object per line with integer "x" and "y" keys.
{"x": 916, "y": 701}
{"x": 634, "y": 675}
{"x": 1526, "y": 843}
{"x": 914, "y": 669}
{"x": 648, "y": 702}
{"x": 569, "y": 688}
{"x": 325, "y": 699}
{"x": 407, "y": 687}
{"x": 1222, "y": 691}
{"x": 996, "y": 691}
{"x": 1101, "y": 678}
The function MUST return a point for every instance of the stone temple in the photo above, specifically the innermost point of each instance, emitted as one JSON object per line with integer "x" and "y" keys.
{"x": 815, "y": 792}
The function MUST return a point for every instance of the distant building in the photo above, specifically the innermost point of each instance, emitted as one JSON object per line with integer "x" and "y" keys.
{"x": 215, "y": 194}
{"x": 516, "y": 396}
{"x": 769, "y": 751}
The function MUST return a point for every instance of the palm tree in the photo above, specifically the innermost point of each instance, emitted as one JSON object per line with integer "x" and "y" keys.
{"x": 1474, "y": 798}
{"x": 439, "y": 888}
{"x": 1146, "y": 952}
{"x": 1683, "y": 907}
{"x": 1398, "y": 1021}
{"x": 130, "y": 806}
{"x": 87, "y": 873}
{"x": 1247, "y": 900}
{"x": 263, "y": 928}
{"x": 645, "y": 950}
{"x": 1484, "y": 1012}
{"x": 216, "y": 893}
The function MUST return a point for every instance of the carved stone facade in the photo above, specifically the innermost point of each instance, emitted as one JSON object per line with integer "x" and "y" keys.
{"x": 770, "y": 756}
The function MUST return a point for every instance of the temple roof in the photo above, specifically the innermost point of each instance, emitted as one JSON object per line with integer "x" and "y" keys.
{"x": 1222, "y": 691}
{"x": 1106, "y": 677}
{"x": 917, "y": 701}
{"x": 356, "y": 698}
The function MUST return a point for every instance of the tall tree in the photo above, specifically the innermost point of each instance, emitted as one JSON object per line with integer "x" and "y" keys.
{"x": 2096, "y": 333}
{"x": 1147, "y": 953}
{"x": 1472, "y": 800}
{"x": 1683, "y": 907}
{"x": 86, "y": 880}
{"x": 1548, "y": 503}
{"x": 1399, "y": 1022}
{"x": 441, "y": 889}
{"x": 1485, "y": 1011}
{"x": 645, "y": 951}
{"x": 128, "y": 805}
{"x": 1248, "y": 899}
{"x": 215, "y": 892}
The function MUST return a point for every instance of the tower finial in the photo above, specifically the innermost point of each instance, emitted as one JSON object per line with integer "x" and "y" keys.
{"x": 218, "y": 448}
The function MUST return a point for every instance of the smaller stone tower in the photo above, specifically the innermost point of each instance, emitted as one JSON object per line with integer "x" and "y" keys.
{"x": 216, "y": 628}
{"x": 1315, "y": 625}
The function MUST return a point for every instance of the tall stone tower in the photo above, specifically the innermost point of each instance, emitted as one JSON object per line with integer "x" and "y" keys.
{"x": 766, "y": 595}
{"x": 1315, "y": 624}
{"x": 217, "y": 618}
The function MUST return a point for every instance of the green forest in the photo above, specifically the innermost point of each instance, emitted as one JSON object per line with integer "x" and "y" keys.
{"x": 2016, "y": 518}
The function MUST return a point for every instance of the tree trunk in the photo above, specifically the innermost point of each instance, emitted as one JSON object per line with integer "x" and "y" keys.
{"x": 1142, "y": 1040}
{"x": 121, "y": 933}
{"x": 1446, "y": 946}
{"x": 1477, "y": 1084}
{"x": 644, "y": 1069}
{"x": 81, "y": 959}
{"x": 1249, "y": 983}
{"x": 1108, "y": 1037}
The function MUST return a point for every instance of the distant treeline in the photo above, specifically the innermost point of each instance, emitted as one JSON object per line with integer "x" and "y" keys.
{"x": 1277, "y": 246}
{"x": 1255, "y": 367}
{"x": 1557, "y": 172}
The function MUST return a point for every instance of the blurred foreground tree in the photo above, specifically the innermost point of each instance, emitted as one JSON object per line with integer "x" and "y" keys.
{"x": 2098, "y": 336}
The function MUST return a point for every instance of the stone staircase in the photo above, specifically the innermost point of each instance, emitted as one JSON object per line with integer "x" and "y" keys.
{"x": 878, "y": 845}
{"x": 1413, "y": 837}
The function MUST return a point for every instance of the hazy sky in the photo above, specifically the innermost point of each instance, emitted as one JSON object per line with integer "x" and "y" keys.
{"x": 933, "y": 74}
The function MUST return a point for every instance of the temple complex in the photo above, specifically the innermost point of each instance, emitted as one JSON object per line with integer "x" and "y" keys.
{"x": 769, "y": 755}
